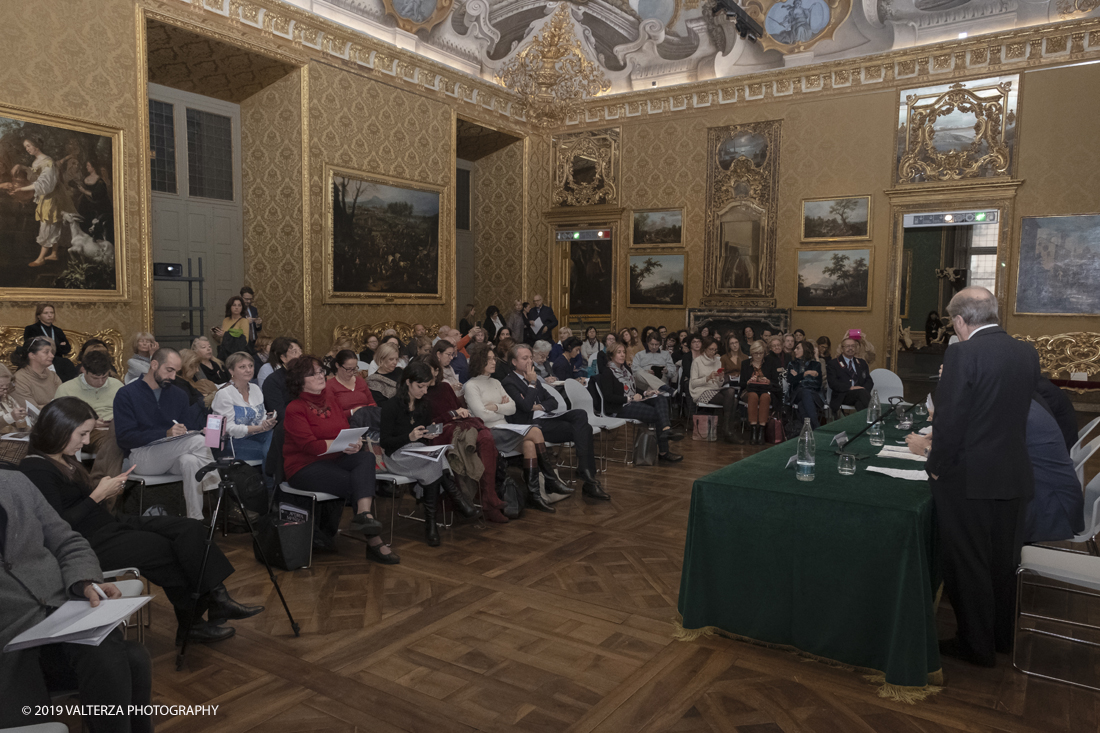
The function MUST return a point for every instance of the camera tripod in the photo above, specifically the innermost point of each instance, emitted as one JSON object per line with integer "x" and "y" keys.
{"x": 226, "y": 486}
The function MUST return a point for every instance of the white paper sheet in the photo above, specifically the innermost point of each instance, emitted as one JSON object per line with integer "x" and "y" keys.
{"x": 346, "y": 437}
{"x": 536, "y": 326}
{"x": 909, "y": 475}
{"x": 427, "y": 452}
{"x": 904, "y": 454}
{"x": 78, "y": 623}
{"x": 521, "y": 429}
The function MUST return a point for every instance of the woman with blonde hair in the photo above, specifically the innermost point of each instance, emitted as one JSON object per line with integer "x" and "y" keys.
{"x": 211, "y": 366}
{"x": 757, "y": 383}
{"x": 142, "y": 346}
{"x": 197, "y": 391}
{"x": 241, "y": 402}
{"x": 13, "y": 412}
{"x": 383, "y": 383}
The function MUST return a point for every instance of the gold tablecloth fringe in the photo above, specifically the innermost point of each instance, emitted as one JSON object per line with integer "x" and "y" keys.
{"x": 899, "y": 693}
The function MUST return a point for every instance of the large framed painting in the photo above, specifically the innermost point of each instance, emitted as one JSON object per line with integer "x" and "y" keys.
{"x": 657, "y": 279}
{"x": 829, "y": 220}
{"x": 657, "y": 227}
{"x": 1059, "y": 266}
{"x": 591, "y": 277}
{"x": 838, "y": 278}
{"x": 383, "y": 239}
{"x": 61, "y": 219}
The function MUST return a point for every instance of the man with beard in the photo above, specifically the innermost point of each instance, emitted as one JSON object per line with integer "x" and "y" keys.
{"x": 151, "y": 409}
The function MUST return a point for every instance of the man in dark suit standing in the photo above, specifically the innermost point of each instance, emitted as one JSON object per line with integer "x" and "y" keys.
{"x": 849, "y": 378}
{"x": 981, "y": 474}
{"x": 541, "y": 322}
{"x": 572, "y": 426}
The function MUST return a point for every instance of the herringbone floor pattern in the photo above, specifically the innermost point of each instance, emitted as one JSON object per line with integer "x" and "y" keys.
{"x": 552, "y": 623}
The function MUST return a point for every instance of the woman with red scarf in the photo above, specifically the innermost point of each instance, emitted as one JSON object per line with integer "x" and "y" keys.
{"x": 313, "y": 420}
{"x": 449, "y": 409}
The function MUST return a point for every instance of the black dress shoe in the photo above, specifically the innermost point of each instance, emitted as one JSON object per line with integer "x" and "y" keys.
{"x": 670, "y": 457}
{"x": 954, "y": 649}
{"x": 595, "y": 491}
{"x": 374, "y": 552}
{"x": 205, "y": 632}
{"x": 365, "y": 524}
{"x": 674, "y": 435}
{"x": 223, "y": 608}
{"x": 550, "y": 477}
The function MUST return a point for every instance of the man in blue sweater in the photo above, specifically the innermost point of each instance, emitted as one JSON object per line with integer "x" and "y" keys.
{"x": 152, "y": 422}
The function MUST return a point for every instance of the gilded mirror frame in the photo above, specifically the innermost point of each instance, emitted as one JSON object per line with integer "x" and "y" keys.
{"x": 603, "y": 148}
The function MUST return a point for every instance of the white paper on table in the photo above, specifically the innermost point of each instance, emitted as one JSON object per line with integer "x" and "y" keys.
{"x": 346, "y": 437}
{"x": 925, "y": 430}
{"x": 907, "y": 474}
{"x": 536, "y": 325}
{"x": 841, "y": 437}
{"x": 904, "y": 454}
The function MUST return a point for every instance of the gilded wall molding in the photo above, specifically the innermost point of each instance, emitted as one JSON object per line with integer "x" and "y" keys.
{"x": 586, "y": 168}
{"x": 1067, "y": 353}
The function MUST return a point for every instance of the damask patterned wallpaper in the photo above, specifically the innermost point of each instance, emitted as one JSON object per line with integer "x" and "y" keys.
{"x": 498, "y": 220}
{"x": 539, "y": 176}
{"x": 80, "y": 60}
{"x": 358, "y": 123}
{"x": 271, "y": 163}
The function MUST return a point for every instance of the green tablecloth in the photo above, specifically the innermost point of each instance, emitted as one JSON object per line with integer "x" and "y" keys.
{"x": 842, "y": 567}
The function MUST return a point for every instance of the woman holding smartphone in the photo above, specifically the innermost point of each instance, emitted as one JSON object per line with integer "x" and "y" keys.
{"x": 247, "y": 423}
{"x": 407, "y": 423}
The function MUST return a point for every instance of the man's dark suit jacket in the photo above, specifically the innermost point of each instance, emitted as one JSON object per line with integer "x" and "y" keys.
{"x": 841, "y": 381}
{"x": 982, "y": 404}
{"x": 526, "y": 396}
{"x": 1061, "y": 408}
{"x": 549, "y": 323}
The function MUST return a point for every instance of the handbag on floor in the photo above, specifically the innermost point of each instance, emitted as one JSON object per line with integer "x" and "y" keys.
{"x": 773, "y": 433}
{"x": 706, "y": 428}
{"x": 645, "y": 449}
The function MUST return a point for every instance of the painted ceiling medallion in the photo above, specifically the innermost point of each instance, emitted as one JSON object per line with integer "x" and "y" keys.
{"x": 553, "y": 72}
{"x": 794, "y": 26}
{"x": 417, "y": 15}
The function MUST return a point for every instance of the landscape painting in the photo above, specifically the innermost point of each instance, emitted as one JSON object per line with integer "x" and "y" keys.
{"x": 60, "y": 226}
{"x": 384, "y": 238}
{"x": 658, "y": 227}
{"x": 834, "y": 279}
{"x": 657, "y": 279}
{"x": 825, "y": 220}
{"x": 1059, "y": 265}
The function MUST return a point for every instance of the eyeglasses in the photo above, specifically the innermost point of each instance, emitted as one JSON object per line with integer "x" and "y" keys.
{"x": 351, "y": 368}
{"x": 320, "y": 373}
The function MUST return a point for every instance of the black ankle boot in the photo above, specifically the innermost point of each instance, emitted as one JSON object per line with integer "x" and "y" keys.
{"x": 534, "y": 496}
{"x": 223, "y": 608}
{"x": 431, "y": 500}
{"x": 462, "y": 504}
{"x": 592, "y": 488}
{"x": 553, "y": 484}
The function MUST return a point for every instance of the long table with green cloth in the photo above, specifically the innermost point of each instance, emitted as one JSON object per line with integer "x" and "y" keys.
{"x": 842, "y": 567}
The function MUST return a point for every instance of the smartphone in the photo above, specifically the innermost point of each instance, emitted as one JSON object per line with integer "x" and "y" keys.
{"x": 433, "y": 430}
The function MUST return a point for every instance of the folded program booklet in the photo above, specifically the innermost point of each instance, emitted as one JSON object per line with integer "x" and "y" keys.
{"x": 76, "y": 622}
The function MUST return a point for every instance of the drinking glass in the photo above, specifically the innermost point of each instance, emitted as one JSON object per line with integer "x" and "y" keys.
{"x": 846, "y": 464}
{"x": 876, "y": 434}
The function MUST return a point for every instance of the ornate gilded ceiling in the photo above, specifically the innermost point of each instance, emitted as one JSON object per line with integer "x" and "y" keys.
{"x": 183, "y": 60}
{"x": 639, "y": 44}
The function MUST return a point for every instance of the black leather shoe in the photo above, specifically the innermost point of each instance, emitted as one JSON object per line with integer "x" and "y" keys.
{"x": 534, "y": 496}
{"x": 365, "y": 524}
{"x": 670, "y": 457}
{"x": 223, "y": 608}
{"x": 431, "y": 501}
{"x": 461, "y": 503}
{"x": 205, "y": 632}
{"x": 674, "y": 435}
{"x": 374, "y": 552}
{"x": 554, "y": 485}
{"x": 595, "y": 491}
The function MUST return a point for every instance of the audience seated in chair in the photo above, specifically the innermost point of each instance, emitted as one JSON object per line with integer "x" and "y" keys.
{"x": 152, "y": 408}
{"x": 313, "y": 420}
{"x": 50, "y": 564}
{"x": 143, "y": 346}
{"x": 523, "y": 387}
{"x": 95, "y": 387}
{"x": 44, "y": 326}
{"x": 804, "y": 381}
{"x": 167, "y": 550}
{"x": 241, "y": 403}
{"x": 384, "y": 382}
{"x": 849, "y": 378}
{"x": 624, "y": 397}
{"x": 568, "y": 364}
{"x": 13, "y": 410}
{"x": 34, "y": 381}
{"x": 758, "y": 383}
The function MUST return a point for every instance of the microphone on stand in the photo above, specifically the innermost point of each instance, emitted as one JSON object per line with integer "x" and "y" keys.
{"x": 881, "y": 417}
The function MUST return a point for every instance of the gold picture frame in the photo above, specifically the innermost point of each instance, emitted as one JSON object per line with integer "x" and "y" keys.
{"x": 675, "y": 262}
{"x": 906, "y": 285}
{"x": 666, "y": 229}
{"x": 412, "y": 16}
{"x": 838, "y": 284}
{"x": 395, "y": 205}
{"x": 91, "y": 259}
{"x": 826, "y": 219}
{"x": 795, "y": 26}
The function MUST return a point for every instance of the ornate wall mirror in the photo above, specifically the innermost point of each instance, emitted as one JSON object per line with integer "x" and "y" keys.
{"x": 586, "y": 168}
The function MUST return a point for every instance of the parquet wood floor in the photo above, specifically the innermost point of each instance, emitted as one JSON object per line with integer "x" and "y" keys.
{"x": 553, "y": 623}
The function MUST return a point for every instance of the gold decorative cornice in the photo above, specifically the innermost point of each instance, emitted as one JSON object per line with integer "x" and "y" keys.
{"x": 1067, "y": 353}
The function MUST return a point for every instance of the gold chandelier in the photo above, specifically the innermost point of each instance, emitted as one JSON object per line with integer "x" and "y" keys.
{"x": 553, "y": 73}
